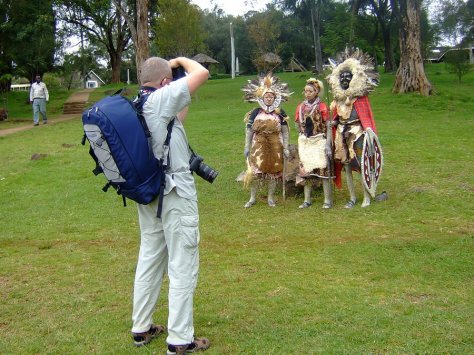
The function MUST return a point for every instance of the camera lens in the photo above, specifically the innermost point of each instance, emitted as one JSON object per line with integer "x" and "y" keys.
{"x": 207, "y": 173}
{"x": 201, "y": 169}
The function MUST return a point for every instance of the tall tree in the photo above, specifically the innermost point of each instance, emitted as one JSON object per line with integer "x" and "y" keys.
{"x": 410, "y": 75}
{"x": 456, "y": 20}
{"x": 264, "y": 33}
{"x": 178, "y": 30}
{"x": 101, "y": 23}
{"x": 216, "y": 27}
{"x": 386, "y": 18}
{"x": 27, "y": 38}
{"x": 137, "y": 15}
{"x": 310, "y": 10}
{"x": 336, "y": 33}
{"x": 382, "y": 10}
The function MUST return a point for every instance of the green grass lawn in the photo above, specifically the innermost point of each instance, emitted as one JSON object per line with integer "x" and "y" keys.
{"x": 396, "y": 277}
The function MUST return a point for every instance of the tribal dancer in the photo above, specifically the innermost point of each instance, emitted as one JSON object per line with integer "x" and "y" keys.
{"x": 356, "y": 144}
{"x": 266, "y": 135}
{"x": 314, "y": 149}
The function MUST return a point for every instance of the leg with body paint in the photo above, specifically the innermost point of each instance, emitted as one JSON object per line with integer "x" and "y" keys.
{"x": 327, "y": 193}
{"x": 307, "y": 194}
{"x": 253, "y": 194}
{"x": 350, "y": 186}
{"x": 271, "y": 190}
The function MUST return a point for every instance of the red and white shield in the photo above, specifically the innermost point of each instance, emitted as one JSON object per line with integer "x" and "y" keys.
{"x": 372, "y": 161}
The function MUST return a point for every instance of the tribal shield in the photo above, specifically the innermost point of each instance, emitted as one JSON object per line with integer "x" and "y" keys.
{"x": 372, "y": 161}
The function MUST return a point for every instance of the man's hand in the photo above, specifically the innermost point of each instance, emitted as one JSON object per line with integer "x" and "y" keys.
{"x": 197, "y": 74}
{"x": 174, "y": 63}
{"x": 286, "y": 153}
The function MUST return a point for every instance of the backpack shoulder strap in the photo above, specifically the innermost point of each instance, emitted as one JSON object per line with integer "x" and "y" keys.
{"x": 139, "y": 101}
{"x": 143, "y": 94}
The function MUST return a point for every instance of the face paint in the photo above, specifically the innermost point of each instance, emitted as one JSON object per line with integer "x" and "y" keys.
{"x": 268, "y": 99}
{"x": 310, "y": 93}
{"x": 345, "y": 79}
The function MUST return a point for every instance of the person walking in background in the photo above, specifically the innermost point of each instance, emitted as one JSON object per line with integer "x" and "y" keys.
{"x": 39, "y": 96}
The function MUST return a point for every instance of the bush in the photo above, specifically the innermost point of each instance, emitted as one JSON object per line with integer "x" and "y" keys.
{"x": 457, "y": 62}
{"x": 52, "y": 81}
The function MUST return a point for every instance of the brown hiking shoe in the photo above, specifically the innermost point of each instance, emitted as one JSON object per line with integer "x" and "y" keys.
{"x": 140, "y": 339}
{"x": 198, "y": 344}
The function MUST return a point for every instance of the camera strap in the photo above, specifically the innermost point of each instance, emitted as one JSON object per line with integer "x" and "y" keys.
{"x": 166, "y": 145}
{"x": 164, "y": 164}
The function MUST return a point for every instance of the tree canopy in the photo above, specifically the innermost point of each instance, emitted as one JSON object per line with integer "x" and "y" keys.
{"x": 309, "y": 30}
{"x": 27, "y": 39}
{"x": 178, "y": 30}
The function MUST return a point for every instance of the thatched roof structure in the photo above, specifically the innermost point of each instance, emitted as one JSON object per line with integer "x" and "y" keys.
{"x": 204, "y": 59}
{"x": 267, "y": 62}
{"x": 270, "y": 58}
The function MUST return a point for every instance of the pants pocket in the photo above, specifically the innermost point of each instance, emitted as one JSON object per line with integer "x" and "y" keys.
{"x": 190, "y": 232}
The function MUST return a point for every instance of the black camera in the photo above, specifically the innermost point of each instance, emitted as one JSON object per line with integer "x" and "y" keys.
{"x": 178, "y": 73}
{"x": 203, "y": 170}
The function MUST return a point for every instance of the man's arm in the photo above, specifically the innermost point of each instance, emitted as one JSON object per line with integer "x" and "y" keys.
{"x": 182, "y": 114}
{"x": 46, "y": 93}
{"x": 197, "y": 74}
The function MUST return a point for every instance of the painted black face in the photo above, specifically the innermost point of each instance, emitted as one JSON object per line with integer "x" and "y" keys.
{"x": 345, "y": 79}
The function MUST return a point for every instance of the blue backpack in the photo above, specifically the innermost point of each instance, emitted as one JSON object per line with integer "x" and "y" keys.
{"x": 120, "y": 144}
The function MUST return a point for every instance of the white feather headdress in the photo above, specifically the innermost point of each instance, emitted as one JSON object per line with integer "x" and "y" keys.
{"x": 365, "y": 77}
{"x": 255, "y": 89}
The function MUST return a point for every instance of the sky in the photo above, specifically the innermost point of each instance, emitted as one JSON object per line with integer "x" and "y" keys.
{"x": 232, "y": 7}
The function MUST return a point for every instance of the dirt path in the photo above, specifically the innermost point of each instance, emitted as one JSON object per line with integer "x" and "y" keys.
{"x": 78, "y": 97}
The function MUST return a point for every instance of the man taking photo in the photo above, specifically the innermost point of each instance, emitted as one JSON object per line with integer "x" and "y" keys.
{"x": 169, "y": 243}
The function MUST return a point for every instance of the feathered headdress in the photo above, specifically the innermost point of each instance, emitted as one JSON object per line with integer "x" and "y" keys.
{"x": 256, "y": 88}
{"x": 365, "y": 76}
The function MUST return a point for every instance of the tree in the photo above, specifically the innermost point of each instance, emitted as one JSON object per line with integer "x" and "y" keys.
{"x": 264, "y": 32}
{"x": 27, "y": 39}
{"x": 455, "y": 18}
{"x": 336, "y": 35}
{"x": 138, "y": 22}
{"x": 311, "y": 10}
{"x": 295, "y": 40}
{"x": 100, "y": 22}
{"x": 74, "y": 61}
{"x": 178, "y": 30}
{"x": 386, "y": 19}
{"x": 458, "y": 62}
{"x": 410, "y": 75}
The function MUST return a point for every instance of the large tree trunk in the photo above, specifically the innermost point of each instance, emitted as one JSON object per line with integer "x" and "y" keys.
{"x": 385, "y": 18}
{"x": 315, "y": 20}
{"x": 116, "y": 64}
{"x": 411, "y": 73}
{"x": 140, "y": 32}
{"x": 142, "y": 45}
{"x": 389, "y": 66}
